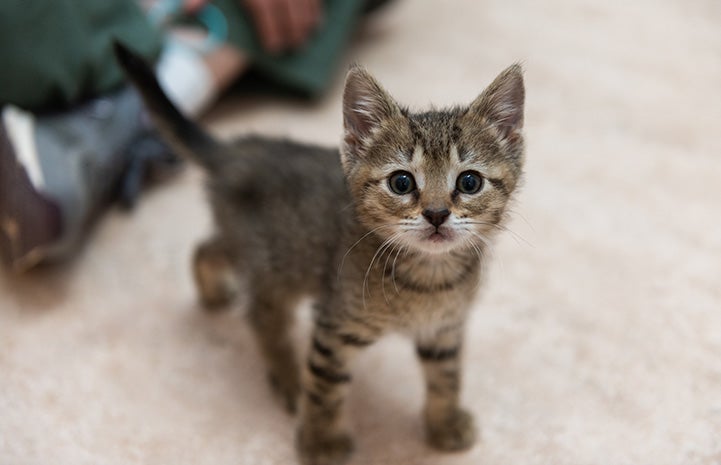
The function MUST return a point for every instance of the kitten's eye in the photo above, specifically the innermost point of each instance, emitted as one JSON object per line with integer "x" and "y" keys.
{"x": 402, "y": 182}
{"x": 469, "y": 182}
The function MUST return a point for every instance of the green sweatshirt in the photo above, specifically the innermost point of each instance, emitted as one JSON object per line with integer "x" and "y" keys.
{"x": 56, "y": 53}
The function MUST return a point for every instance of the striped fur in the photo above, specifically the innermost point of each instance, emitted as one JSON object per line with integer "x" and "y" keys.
{"x": 294, "y": 220}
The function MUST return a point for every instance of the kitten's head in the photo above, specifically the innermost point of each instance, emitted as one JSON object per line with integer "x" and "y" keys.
{"x": 434, "y": 181}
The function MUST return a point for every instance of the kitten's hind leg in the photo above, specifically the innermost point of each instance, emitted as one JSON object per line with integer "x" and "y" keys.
{"x": 271, "y": 319}
{"x": 215, "y": 277}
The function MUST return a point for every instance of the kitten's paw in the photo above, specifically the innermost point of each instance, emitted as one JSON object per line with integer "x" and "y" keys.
{"x": 319, "y": 449}
{"x": 287, "y": 389}
{"x": 214, "y": 277}
{"x": 453, "y": 432}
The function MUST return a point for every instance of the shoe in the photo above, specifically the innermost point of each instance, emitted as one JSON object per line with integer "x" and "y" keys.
{"x": 29, "y": 220}
{"x": 58, "y": 172}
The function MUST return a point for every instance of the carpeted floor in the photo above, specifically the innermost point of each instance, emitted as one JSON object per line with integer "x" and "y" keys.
{"x": 596, "y": 341}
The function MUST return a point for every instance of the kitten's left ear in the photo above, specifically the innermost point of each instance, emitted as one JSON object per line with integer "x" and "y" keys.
{"x": 366, "y": 105}
{"x": 501, "y": 104}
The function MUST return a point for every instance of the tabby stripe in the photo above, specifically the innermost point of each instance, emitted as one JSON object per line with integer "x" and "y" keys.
{"x": 315, "y": 398}
{"x": 500, "y": 185}
{"x": 324, "y": 403}
{"x": 326, "y": 325}
{"x": 423, "y": 289}
{"x": 440, "y": 287}
{"x": 451, "y": 379}
{"x": 328, "y": 375}
{"x": 439, "y": 389}
{"x": 321, "y": 387}
{"x": 322, "y": 349}
{"x": 437, "y": 355}
{"x": 353, "y": 340}
{"x": 364, "y": 322}
{"x": 449, "y": 328}
{"x": 372, "y": 183}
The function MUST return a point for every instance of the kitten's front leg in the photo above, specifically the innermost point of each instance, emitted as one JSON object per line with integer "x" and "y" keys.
{"x": 448, "y": 426}
{"x": 323, "y": 437}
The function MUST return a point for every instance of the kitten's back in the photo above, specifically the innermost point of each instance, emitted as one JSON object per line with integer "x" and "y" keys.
{"x": 283, "y": 205}
{"x": 280, "y": 205}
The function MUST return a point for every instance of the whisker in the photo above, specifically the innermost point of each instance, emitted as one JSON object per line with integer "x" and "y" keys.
{"x": 500, "y": 227}
{"x": 487, "y": 250}
{"x": 404, "y": 248}
{"x": 342, "y": 262}
{"x": 490, "y": 251}
{"x": 520, "y": 215}
{"x": 386, "y": 243}
{"x": 385, "y": 265}
{"x": 486, "y": 241}
{"x": 481, "y": 258}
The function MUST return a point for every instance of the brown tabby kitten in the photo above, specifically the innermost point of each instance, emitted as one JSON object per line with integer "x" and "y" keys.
{"x": 389, "y": 236}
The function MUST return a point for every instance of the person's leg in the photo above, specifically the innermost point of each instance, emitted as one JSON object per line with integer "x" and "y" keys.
{"x": 28, "y": 219}
{"x": 58, "y": 170}
{"x": 193, "y": 79}
{"x": 72, "y": 161}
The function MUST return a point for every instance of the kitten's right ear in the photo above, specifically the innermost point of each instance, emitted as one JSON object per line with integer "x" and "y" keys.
{"x": 365, "y": 106}
{"x": 501, "y": 104}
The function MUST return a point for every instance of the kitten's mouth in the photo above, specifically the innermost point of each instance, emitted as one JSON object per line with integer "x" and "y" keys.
{"x": 434, "y": 240}
{"x": 438, "y": 236}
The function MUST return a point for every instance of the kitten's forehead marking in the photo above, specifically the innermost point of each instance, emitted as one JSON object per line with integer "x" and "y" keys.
{"x": 416, "y": 165}
{"x": 455, "y": 156}
{"x": 474, "y": 162}
{"x": 416, "y": 157}
{"x": 406, "y": 160}
{"x": 455, "y": 162}
{"x": 436, "y": 130}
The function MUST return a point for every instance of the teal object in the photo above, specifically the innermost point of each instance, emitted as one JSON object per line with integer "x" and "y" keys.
{"x": 310, "y": 69}
{"x": 166, "y": 11}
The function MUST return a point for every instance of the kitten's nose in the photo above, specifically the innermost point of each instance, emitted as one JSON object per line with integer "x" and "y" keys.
{"x": 436, "y": 217}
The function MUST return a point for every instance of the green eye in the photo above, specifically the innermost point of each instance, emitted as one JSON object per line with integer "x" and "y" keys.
{"x": 469, "y": 182}
{"x": 402, "y": 182}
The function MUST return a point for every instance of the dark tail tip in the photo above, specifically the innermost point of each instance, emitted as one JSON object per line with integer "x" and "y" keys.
{"x": 183, "y": 134}
{"x": 122, "y": 53}
{"x": 134, "y": 66}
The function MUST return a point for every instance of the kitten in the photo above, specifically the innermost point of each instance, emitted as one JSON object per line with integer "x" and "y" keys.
{"x": 388, "y": 235}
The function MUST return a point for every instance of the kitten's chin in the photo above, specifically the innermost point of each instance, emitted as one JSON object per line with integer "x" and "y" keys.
{"x": 436, "y": 242}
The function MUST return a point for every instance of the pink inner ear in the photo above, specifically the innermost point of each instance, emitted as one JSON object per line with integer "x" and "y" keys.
{"x": 351, "y": 136}
{"x": 365, "y": 105}
{"x": 510, "y": 120}
{"x": 358, "y": 120}
{"x": 361, "y": 109}
{"x": 505, "y": 107}
{"x": 502, "y": 102}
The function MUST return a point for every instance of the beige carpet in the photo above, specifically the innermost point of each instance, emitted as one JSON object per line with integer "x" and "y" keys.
{"x": 596, "y": 341}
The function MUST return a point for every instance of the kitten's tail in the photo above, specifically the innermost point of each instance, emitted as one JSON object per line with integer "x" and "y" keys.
{"x": 185, "y": 136}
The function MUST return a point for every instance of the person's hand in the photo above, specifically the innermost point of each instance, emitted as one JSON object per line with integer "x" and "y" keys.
{"x": 192, "y": 6}
{"x": 281, "y": 24}
{"x": 284, "y": 24}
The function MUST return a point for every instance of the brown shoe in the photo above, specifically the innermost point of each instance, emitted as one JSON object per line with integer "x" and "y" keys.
{"x": 29, "y": 221}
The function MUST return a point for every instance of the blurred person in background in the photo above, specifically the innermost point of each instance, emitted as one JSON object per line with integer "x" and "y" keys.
{"x": 74, "y": 137}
